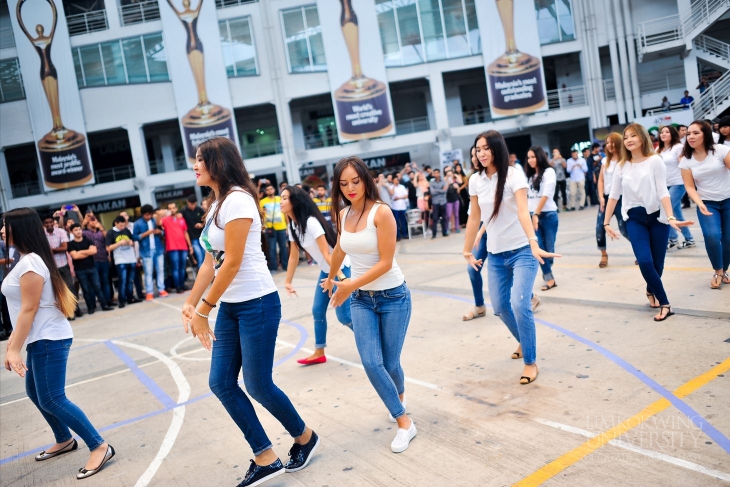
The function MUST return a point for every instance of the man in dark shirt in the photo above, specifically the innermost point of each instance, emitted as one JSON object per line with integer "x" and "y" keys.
{"x": 82, "y": 252}
{"x": 412, "y": 200}
{"x": 193, "y": 215}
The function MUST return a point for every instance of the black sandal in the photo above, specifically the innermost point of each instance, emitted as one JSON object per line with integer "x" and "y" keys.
{"x": 652, "y": 300}
{"x": 670, "y": 313}
{"x": 548, "y": 287}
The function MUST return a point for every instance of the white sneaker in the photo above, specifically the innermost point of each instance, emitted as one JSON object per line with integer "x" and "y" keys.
{"x": 403, "y": 438}
{"x": 390, "y": 416}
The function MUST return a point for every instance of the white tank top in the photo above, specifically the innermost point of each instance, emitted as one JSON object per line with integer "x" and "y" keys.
{"x": 362, "y": 247}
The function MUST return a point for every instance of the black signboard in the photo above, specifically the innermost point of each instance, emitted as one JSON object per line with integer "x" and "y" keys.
{"x": 173, "y": 194}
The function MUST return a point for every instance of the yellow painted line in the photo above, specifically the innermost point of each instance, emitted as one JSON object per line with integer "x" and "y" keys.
{"x": 555, "y": 467}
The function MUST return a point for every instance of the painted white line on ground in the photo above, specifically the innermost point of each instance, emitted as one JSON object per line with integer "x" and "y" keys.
{"x": 637, "y": 449}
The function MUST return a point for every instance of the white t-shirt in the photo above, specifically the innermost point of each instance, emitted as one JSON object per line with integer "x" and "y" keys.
{"x": 711, "y": 175}
{"x": 547, "y": 188}
{"x": 577, "y": 168}
{"x": 399, "y": 192}
{"x": 671, "y": 160}
{"x": 608, "y": 175}
{"x": 309, "y": 243}
{"x": 505, "y": 232}
{"x": 641, "y": 184}
{"x": 253, "y": 279}
{"x": 49, "y": 323}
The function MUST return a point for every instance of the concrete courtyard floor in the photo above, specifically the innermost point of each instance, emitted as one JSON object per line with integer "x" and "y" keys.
{"x": 620, "y": 399}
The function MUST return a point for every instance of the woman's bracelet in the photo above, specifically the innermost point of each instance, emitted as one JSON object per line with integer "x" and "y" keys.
{"x": 201, "y": 314}
{"x": 209, "y": 303}
{"x": 671, "y": 217}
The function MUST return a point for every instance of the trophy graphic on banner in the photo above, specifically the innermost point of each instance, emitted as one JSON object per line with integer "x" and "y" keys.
{"x": 206, "y": 119}
{"x": 515, "y": 78}
{"x": 63, "y": 153}
{"x": 361, "y": 102}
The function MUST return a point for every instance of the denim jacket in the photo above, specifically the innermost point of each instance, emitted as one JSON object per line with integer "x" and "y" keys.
{"x": 140, "y": 226}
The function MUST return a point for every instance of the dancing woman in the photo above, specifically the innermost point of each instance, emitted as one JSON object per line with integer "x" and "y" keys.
{"x": 670, "y": 150}
{"x": 480, "y": 253}
{"x": 706, "y": 173}
{"x": 38, "y": 303}
{"x": 640, "y": 179}
{"x": 605, "y": 179}
{"x": 380, "y": 303}
{"x": 499, "y": 198}
{"x": 309, "y": 230}
{"x": 250, "y": 311}
{"x": 541, "y": 181}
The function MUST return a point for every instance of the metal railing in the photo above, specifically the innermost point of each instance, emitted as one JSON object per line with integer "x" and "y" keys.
{"x": 232, "y": 3}
{"x": 575, "y": 96}
{"x": 677, "y": 107}
{"x": 708, "y": 102}
{"x": 713, "y": 46}
{"x": 157, "y": 166}
{"x": 137, "y": 13}
{"x": 473, "y": 117}
{"x": 114, "y": 174}
{"x": 7, "y": 39}
{"x": 320, "y": 139}
{"x": 87, "y": 22}
{"x": 26, "y": 189}
{"x": 662, "y": 80}
{"x": 262, "y": 149}
{"x": 609, "y": 90}
{"x": 411, "y": 125}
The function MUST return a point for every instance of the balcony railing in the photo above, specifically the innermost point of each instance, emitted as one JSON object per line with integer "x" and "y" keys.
{"x": 609, "y": 90}
{"x": 25, "y": 189}
{"x": 87, "y": 22}
{"x": 6, "y": 37}
{"x": 575, "y": 96}
{"x": 473, "y": 117}
{"x": 137, "y": 13}
{"x": 232, "y": 3}
{"x": 411, "y": 125}
{"x": 662, "y": 80}
{"x": 114, "y": 174}
{"x": 677, "y": 107}
{"x": 262, "y": 149}
{"x": 157, "y": 166}
{"x": 713, "y": 98}
{"x": 713, "y": 46}
{"x": 319, "y": 140}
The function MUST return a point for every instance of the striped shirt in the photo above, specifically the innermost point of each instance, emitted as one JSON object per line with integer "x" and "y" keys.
{"x": 56, "y": 239}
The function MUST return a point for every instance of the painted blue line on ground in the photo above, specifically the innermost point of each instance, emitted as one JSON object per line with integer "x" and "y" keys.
{"x": 682, "y": 406}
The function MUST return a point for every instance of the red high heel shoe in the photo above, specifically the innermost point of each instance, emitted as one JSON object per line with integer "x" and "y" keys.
{"x": 318, "y": 360}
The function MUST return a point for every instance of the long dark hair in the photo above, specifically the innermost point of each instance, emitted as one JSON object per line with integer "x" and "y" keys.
{"x": 540, "y": 167}
{"x": 708, "y": 141}
{"x": 24, "y": 230}
{"x": 724, "y": 122}
{"x": 339, "y": 200}
{"x": 303, "y": 208}
{"x": 674, "y": 137}
{"x": 500, "y": 158}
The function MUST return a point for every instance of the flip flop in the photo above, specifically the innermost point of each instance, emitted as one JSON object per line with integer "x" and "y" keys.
{"x": 548, "y": 287}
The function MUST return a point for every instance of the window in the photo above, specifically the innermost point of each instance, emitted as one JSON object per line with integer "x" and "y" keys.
{"x": 420, "y": 31}
{"x": 11, "y": 82}
{"x": 124, "y": 61}
{"x": 239, "y": 50}
{"x": 554, "y": 21}
{"x": 303, "y": 40}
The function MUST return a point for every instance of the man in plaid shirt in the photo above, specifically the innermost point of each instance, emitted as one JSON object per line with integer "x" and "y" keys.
{"x": 58, "y": 240}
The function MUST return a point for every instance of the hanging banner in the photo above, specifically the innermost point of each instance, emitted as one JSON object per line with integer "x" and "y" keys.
{"x": 195, "y": 72}
{"x": 356, "y": 70}
{"x": 52, "y": 93}
{"x": 512, "y": 59}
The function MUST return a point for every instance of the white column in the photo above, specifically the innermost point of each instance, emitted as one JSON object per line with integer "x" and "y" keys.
{"x": 631, "y": 43}
{"x": 440, "y": 111}
{"x": 624, "y": 60}
{"x": 112, "y": 14}
{"x": 615, "y": 65}
{"x": 691, "y": 74}
{"x": 139, "y": 157}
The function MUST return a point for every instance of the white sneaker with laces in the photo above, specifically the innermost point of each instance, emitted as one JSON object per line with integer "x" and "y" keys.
{"x": 390, "y": 416}
{"x": 403, "y": 438}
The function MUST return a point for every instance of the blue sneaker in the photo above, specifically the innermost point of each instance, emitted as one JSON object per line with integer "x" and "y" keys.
{"x": 258, "y": 474}
{"x": 300, "y": 455}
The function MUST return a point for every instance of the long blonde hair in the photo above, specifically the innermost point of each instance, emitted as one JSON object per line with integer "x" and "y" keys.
{"x": 647, "y": 148}
{"x": 617, "y": 141}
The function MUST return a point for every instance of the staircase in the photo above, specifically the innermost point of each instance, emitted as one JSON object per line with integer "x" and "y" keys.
{"x": 679, "y": 30}
{"x": 713, "y": 51}
{"x": 715, "y": 99}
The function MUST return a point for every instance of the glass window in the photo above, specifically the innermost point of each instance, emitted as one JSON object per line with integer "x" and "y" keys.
{"x": 457, "y": 41}
{"x": 388, "y": 34}
{"x": 303, "y": 39}
{"x": 134, "y": 58}
{"x": 11, "y": 83}
{"x": 91, "y": 61}
{"x": 554, "y": 21}
{"x": 314, "y": 32}
{"x": 77, "y": 68}
{"x": 154, "y": 51}
{"x": 239, "y": 51}
{"x": 475, "y": 40}
{"x": 113, "y": 64}
{"x": 432, "y": 28}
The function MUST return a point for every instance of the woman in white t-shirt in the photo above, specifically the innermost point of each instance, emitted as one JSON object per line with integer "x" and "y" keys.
{"x": 541, "y": 183}
{"x": 316, "y": 236}
{"x": 640, "y": 179}
{"x": 250, "y": 311}
{"x": 380, "y": 301}
{"x": 614, "y": 141}
{"x": 670, "y": 150}
{"x": 706, "y": 173}
{"x": 38, "y": 303}
{"x": 498, "y": 194}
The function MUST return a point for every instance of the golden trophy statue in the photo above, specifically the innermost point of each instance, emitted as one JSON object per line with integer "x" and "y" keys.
{"x": 63, "y": 154}
{"x": 206, "y": 119}
{"x": 515, "y": 78}
{"x": 361, "y": 102}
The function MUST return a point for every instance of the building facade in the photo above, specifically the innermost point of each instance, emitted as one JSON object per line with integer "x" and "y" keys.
{"x": 605, "y": 62}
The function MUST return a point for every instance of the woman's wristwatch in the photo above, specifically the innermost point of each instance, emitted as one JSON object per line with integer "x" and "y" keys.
{"x": 671, "y": 217}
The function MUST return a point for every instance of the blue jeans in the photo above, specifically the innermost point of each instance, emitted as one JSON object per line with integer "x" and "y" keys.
{"x": 477, "y": 284}
{"x": 600, "y": 220}
{"x": 511, "y": 276}
{"x": 125, "y": 272}
{"x": 102, "y": 268}
{"x": 278, "y": 238}
{"x": 198, "y": 252}
{"x": 89, "y": 281}
{"x": 716, "y": 230}
{"x": 380, "y": 320}
{"x": 155, "y": 264}
{"x": 319, "y": 311}
{"x": 676, "y": 193}
{"x": 45, "y": 384}
{"x": 649, "y": 238}
{"x": 547, "y": 231}
{"x": 179, "y": 260}
{"x": 402, "y": 223}
{"x": 245, "y": 338}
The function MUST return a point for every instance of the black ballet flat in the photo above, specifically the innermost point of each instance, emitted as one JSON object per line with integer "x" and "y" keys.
{"x": 44, "y": 455}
